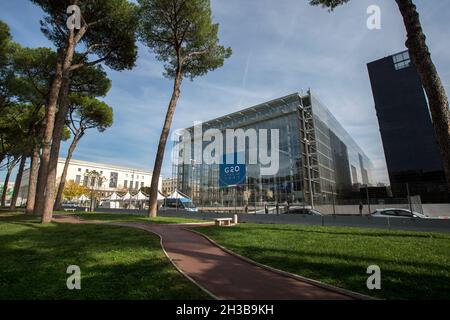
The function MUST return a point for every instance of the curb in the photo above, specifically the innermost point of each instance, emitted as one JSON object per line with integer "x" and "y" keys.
{"x": 316, "y": 283}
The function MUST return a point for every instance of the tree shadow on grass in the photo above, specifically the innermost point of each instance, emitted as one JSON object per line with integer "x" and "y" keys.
{"x": 116, "y": 263}
{"x": 395, "y": 234}
{"x": 331, "y": 230}
{"x": 399, "y": 281}
{"x": 402, "y": 277}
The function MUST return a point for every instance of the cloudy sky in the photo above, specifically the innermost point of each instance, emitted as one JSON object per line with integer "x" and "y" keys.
{"x": 279, "y": 47}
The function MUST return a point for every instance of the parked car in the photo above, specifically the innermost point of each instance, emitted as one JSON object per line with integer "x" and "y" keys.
{"x": 69, "y": 205}
{"x": 180, "y": 204}
{"x": 397, "y": 213}
{"x": 305, "y": 211}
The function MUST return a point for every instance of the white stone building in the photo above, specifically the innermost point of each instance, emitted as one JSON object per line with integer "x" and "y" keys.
{"x": 169, "y": 186}
{"x": 117, "y": 178}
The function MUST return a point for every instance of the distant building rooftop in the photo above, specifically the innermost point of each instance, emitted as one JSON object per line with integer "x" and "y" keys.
{"x": 103, "y": 165}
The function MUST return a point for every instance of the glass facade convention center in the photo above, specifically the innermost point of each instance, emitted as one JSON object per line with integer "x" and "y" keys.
{"x": 318, "y": 159}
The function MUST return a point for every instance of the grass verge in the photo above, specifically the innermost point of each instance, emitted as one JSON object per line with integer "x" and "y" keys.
{"x": 127, "y": 217}
{"x": 414, "y": 265}
{"x": 115, "y": 262}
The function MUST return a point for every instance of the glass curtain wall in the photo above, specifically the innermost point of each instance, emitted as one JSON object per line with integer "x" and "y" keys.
{"x": 317, "y": 158}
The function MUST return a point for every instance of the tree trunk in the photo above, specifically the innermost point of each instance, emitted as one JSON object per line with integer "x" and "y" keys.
{"x": 62, "y": 72}
{"x": 49, "y": 120}
{"x": 62, "y": 183}
{"x": 32, "y": 180}
{"x": 3, "y": 151}
{"x": 5, "y": 185}
{"x": 437, "y": 98}
{"x": 60, "y": 123}
{"x": 153, "y": 210}
{"x": 17, "y": 183}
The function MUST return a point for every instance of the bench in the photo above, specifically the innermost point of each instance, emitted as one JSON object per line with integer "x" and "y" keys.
{"x": 69, "y": 209}
{"x": 223, "y": 221}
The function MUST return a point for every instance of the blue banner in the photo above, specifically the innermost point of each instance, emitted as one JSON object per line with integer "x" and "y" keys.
{"x": 232, "y": 174}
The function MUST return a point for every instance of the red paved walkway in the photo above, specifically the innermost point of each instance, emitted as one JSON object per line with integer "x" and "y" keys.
{"x": 225, "y": 275}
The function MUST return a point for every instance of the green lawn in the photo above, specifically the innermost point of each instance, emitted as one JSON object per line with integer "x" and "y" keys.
{"x": 115, "y": 262}
{"x": 128, "y": 217}
{"x": 414, "y": 265}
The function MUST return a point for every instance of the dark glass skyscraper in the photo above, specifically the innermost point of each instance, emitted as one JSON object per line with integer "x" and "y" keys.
{"x": 409, "y": 141}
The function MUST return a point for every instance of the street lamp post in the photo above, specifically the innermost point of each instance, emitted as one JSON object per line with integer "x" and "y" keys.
{"x": 368, "y": 198}
{"x": 192, "y": 178}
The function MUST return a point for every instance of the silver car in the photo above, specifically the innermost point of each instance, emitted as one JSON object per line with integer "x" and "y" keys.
{"x": 302, "y": 210}
{"x": 397, "y": 213}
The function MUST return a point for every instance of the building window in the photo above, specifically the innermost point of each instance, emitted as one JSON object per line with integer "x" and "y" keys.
{"x": 136, "y": 185}
{"x": 401, "y": 60}
{"x": 113, "y": 177}
{"x": 78, "y": 178}
{"x": 142, "y": 184}
{"x": 93, "y": 182}
{"x": 365, "y": 176}
{"x": 354, "y": 175}
{"x": 79, "y": 169}
{"x": 125, "y": 184}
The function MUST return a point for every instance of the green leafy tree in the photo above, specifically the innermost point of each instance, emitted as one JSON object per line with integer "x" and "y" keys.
{"x": 11, "y": 163}
{"x": 5, "y": 38}
{"x": 183, "y": 36}
{"x": 145, "y": 190}
{"x": 107, "y": 32}
{"x": 15, "y": 120}
{"x": 33, "y": 72}
{"x": 5, "y": 70}
{"x": 421, "y": 57}
{"x": 17, "y": 183}
{"x": 5, "y": 42}
{"x": 86, "y": 80}
{"x": 85, "y": 113}
{"x": 30, "y": 85}
{"x": 16, "y": 123}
